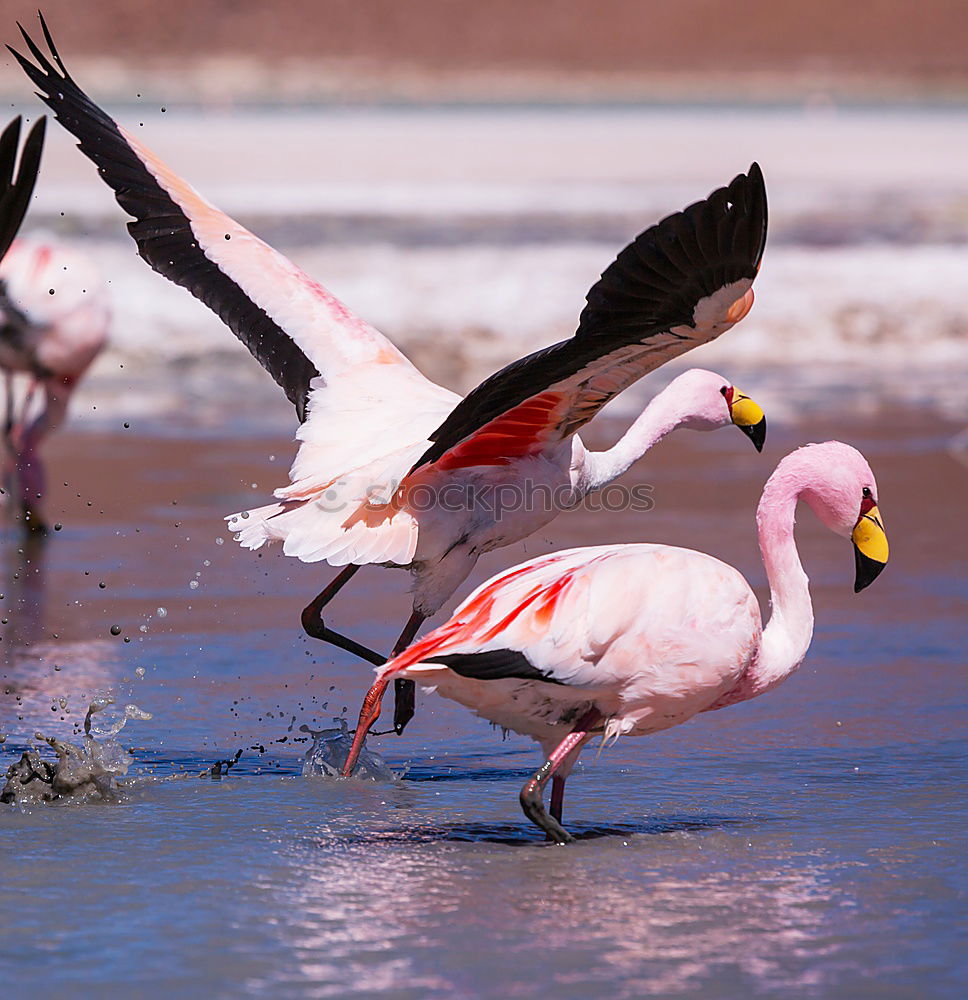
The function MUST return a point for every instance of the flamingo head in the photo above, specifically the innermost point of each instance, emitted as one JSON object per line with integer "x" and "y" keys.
{"x": 710, "y": 401}
{"x": 840, "y": 489}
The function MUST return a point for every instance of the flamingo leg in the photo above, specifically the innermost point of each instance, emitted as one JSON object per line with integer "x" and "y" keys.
{"x": 557, "y": 796}
{"x": 9, "y": 420}
{"x": 30, "y": 468}
{"x": 28, "y": 400}
{"x": 9, "y": 449}
{"x": 369, "y": 713}
{"x": 313, "y": 625}
{"x": 531, "y": 801}
{"x": 404, "y": 690}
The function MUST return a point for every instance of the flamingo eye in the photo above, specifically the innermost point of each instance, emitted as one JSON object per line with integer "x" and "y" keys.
{"x": 724, "y": 390}
{"x": 866, "y": 493}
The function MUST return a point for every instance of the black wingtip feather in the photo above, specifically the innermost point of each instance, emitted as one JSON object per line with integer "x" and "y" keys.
{"x": 728, "y": 228}
{"x": 50, "y": 45}
{"x": 652, "y": 286}
{"x": 493, "y": 665}
{"x": 17, "y": 185}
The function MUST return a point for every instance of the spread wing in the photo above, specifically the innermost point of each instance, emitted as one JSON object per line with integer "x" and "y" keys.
{"x": 681, "y": 283}
{"x": 292, "y": 325}
{"x": 16, "y": 186}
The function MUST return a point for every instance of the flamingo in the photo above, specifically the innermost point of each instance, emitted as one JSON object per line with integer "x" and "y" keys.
{"x": 632, "y": 639}
{"x": 54, "y": 317}
{"x": 376, "y": 436}
{"x": 24, "y": 345}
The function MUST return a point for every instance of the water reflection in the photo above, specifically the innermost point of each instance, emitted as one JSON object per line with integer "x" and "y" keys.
{"x": 651, "y": 914}
{"x": 25, "y": 592}
{"x": 43, "y": 678}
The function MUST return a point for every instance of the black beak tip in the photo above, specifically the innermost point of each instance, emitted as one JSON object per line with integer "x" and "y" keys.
{"x": 756, "y": 433}
{"x": 867, "y": 570}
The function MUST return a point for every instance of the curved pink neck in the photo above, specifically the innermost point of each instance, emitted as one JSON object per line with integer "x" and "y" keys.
{"x": 664, "y": 414}
{"x": 787, "y": 635}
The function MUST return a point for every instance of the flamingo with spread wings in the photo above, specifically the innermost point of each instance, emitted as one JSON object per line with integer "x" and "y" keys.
{"x": 632, "y": 639}
{"x": 393, "y": 469}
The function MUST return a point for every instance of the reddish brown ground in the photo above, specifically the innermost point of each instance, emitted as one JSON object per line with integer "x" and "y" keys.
{"x": 920, "y": 43}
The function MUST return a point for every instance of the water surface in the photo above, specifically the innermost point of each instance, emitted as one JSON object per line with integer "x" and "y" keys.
{"x": 805, "y": 844}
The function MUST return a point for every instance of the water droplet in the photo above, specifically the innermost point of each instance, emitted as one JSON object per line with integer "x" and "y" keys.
{"x": 102, "y": 585}
{"x": 115, "y": 630}
{"x": 219, "y": 541}
{"x": 244, "y": 514}
{"x": 206, "y": 562}
{"x": 142, "y": 628}
{"x": 139, "y": 671}
{"x": 193, "y": 584}
{"x": 161, "y": 612}
{"x": 58, "y": 526}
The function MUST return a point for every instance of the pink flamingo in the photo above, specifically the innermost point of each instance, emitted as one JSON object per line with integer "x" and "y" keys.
{"x": 33, "y": 338}
{"x": 54, "y": 317}
{"x": 376, "y": 435}
{"x": 631, "y": 639}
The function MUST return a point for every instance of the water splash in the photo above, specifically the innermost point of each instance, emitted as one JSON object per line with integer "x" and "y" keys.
{"x": 110, "y": 721}
{"x": 326, "y": 757}
{"x": 85, "y": 773}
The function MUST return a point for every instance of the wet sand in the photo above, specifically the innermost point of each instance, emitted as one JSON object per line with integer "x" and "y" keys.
{"x": 804, "y": 844}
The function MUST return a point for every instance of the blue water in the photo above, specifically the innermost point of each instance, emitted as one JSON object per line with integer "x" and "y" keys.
{"x": 808, "y": 844}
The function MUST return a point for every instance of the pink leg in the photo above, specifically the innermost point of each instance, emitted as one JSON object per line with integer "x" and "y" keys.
{"x": 557, "y": 796}
{"x": 30, "y": 468}
{"x": 9, "y": 451}
{"x": 531, "y": 801}
{"x": 369, "y": 713}
{"x": 28, "y": 400}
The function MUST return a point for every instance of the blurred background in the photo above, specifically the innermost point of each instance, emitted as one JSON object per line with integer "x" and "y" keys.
{"x": 461, "y": 174}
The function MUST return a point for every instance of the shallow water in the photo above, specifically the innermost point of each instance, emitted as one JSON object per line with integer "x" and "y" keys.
{"x": 806, "y": 844}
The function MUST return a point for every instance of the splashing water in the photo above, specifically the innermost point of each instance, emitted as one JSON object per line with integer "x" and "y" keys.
{"x": 85, "y": 773}
{"x": 110, "y": 721}
{"x": 326, "y": 757}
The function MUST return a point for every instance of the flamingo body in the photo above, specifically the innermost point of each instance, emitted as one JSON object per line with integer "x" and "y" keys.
{"x": 650, "y": 635}
{"x": 631, "y": 639}
{"x": 60, "y": 311}
{"x": 54, "y": 316}
{"x": 447, "y": 514}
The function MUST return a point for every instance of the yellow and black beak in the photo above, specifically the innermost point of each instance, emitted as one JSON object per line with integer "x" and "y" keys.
{"x": 748, "y": 417}
{"x": 870, "y": 547}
